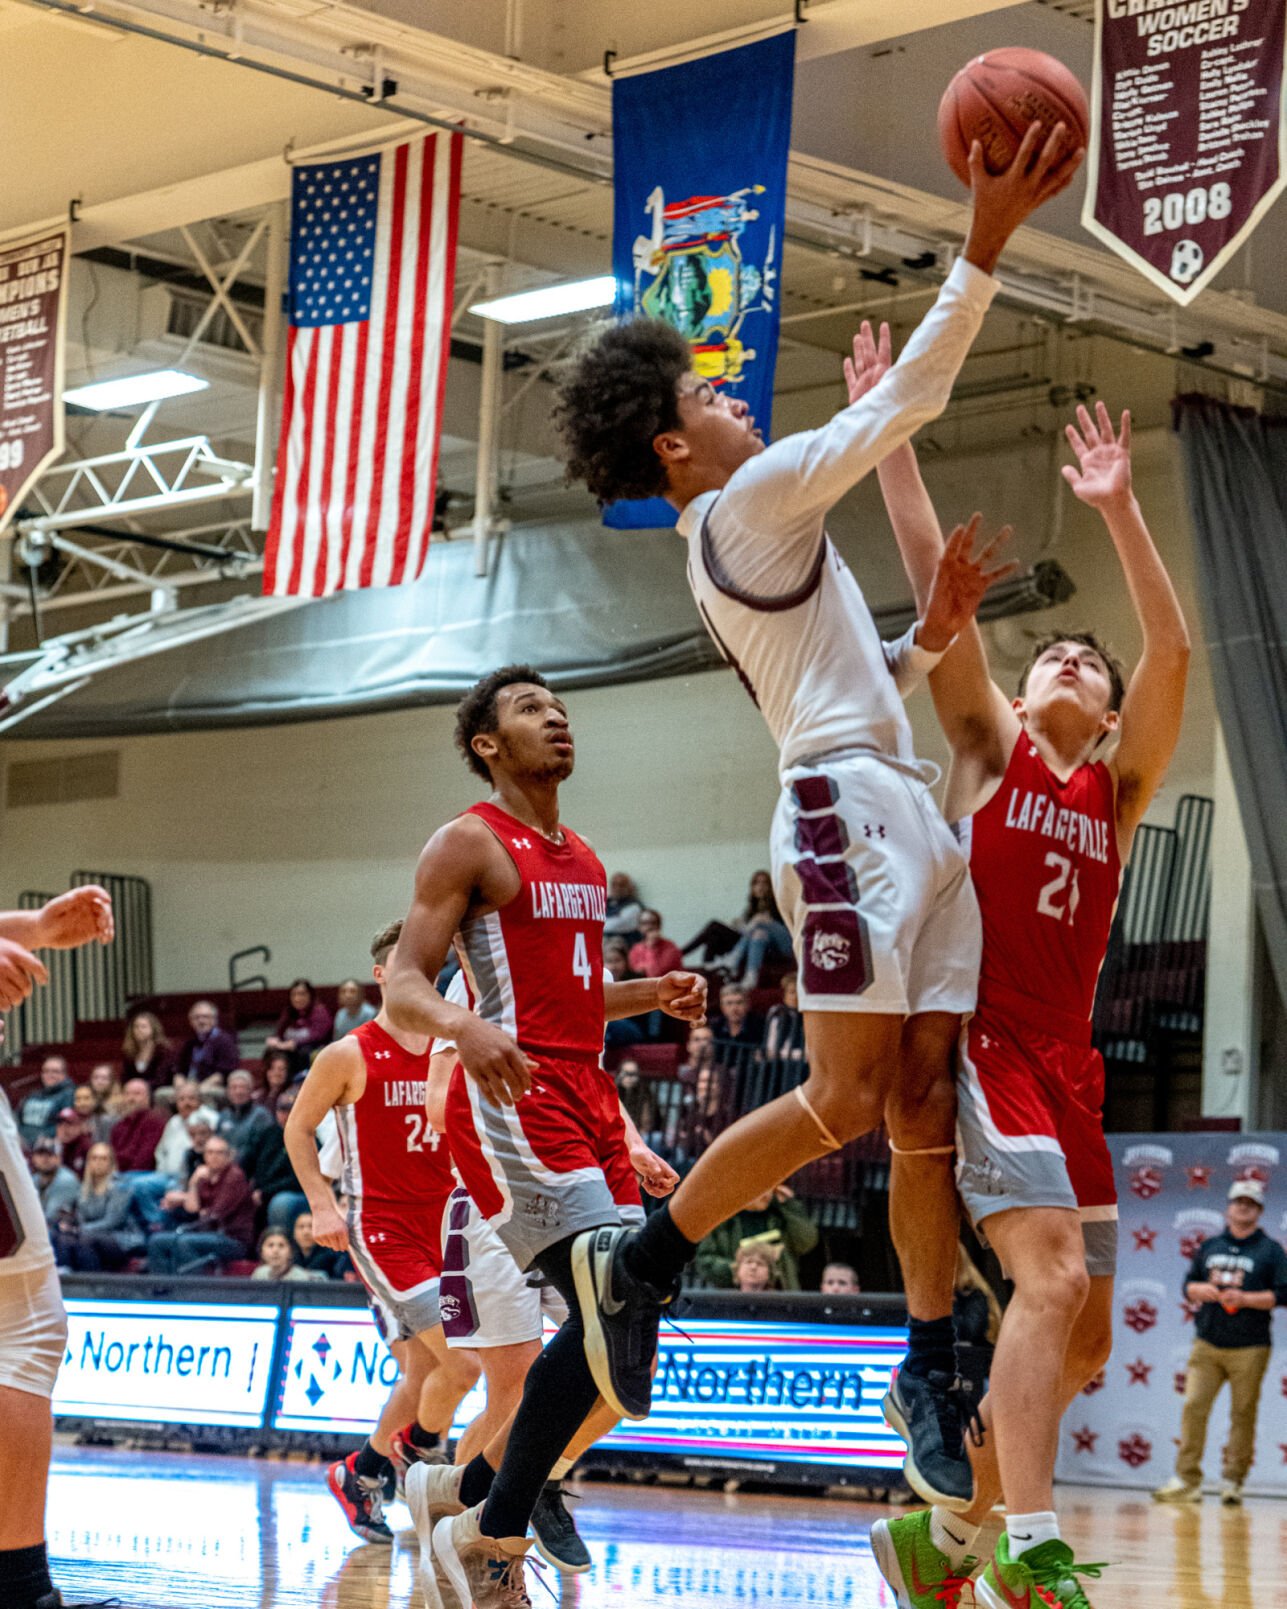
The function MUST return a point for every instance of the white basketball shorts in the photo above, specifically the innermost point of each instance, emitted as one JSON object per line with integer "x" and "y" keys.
{"x": 33, "y": 1330}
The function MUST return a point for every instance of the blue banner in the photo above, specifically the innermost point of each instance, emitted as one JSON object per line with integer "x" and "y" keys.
{"x": 700, "y": 155}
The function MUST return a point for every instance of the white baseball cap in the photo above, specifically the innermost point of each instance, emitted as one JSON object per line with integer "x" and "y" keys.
{"x": 1247, "y": 1190}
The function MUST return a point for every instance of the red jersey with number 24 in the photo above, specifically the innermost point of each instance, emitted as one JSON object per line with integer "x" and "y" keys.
{"x": 392, "y": 1157}
{"x": 535, "y": 966}
{"x": 1043, "y": 855}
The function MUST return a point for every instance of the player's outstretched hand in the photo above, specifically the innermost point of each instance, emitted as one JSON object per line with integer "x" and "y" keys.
{"x": 80, "y": 916}
{"x": 329, "y": 1228}
{"x": 960, "y": 582}
{"x": 655, "y": 1173}
{"x": 494, "y": 1062}
{"x": 1101, "y": 476}
{"x": 872, "y": 360}
{"x": 20, "y": 971}
{"x": 1003, "y": 200}
{"x": 683, "y": 995}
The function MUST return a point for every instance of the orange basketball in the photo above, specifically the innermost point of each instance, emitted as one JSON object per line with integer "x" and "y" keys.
{"x": 994, "y": 98}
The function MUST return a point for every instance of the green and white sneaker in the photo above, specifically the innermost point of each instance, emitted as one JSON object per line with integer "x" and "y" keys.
{"x": 921, "y": 1576}
{"x": 1044, "y": 1577}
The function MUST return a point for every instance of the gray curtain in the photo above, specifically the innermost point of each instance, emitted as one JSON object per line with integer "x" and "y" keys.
{"x": 1235, "y": 467}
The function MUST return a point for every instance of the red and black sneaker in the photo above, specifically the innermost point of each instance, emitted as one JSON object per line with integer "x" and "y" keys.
{"x": 404, "y": 1453}
{"x": 362, "y": 1499}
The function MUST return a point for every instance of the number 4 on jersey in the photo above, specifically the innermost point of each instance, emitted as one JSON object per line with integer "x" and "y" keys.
{"x": 581, "y": 967}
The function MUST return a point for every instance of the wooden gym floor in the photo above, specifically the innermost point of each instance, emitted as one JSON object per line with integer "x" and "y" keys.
{"x": 177, "y": 1531}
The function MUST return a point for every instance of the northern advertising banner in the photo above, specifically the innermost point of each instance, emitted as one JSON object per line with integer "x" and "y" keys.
{"x": 1188, "y": 147}
{"x": 33, "y": 282}
{"x": 1123, "y": 1430}
{"x": 699, "y": 174}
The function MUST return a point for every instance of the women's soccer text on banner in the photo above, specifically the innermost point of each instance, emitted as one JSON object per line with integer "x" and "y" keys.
{"x": 33, "y": 275}
{"x": 1187, "y": 132}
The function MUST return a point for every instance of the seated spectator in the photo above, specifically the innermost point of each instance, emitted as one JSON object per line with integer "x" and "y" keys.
{"x": 243, "y": 1117}
{"x": 755, "y": 1268}
{"x": 303, "y": 1028}
{"x": 98, "y": 1123}
{"x": 624, "y": 1031}
{"x": 146, "y": 1052}
{"x": 784, "y": 1025}
{"x": 706, "y": 1105}
{"x": 654, "y": 955}
{"x": 775, "y": 1218}
{"x": 56, "y": 1186}
{"x": 314, "y": 1257}
{"x": 839, "y": 1279}
{"x": 277, "y": 1258}
{"x": 107, "y": 1090}
{"x": 138, "y": 1129}
{"x": 174, "y": 1160}
{"x": 220, "y": 1214}
{"x": 616, "y": 960}
{"x": 208, "y": 1050}
{"x": 268, "y": 1168}
{"x": 279, "y": 1069}
{"x": 98, "y": 1234}
{"x": 624, "y": 909}
{"x": 763, "y": 933}
{"x": 735, "y": 1024}
{"x": 636, "y": 1097}
{"x": 38, "y": 1112}
{"x": 354, "y": 1008}
{"x": 73, "y": 1139}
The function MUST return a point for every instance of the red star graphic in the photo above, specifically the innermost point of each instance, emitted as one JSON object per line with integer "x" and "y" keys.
{"x": 1145, "y": 1238}
{"x": 1181, "y": 1381}
{"x": 1084, "y": 1440}
{"x": 1139, "y": 1372}
{"x": 1093, "y": 1385}
{"x": 1282, "y": 1447}
{"x": 1199, "y": 1176}
{"x": 1190, "y": 1311}
{"x": 1285, "y": 1385}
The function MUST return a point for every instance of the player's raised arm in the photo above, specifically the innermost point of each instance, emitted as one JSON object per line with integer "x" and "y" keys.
{"x": 1153, "y": 706}
{"x": 331, "y": 1081}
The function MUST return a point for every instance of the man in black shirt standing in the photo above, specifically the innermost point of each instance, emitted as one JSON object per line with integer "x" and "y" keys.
{"x": 1235, "y": 1279}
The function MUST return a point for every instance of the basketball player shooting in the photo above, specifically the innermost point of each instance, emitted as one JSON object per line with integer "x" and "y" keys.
{"x": 872, "y": 883}
{"x": 1049, "y": 823}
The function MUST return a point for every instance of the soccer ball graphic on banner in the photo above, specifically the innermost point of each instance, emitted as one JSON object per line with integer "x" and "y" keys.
{"x": 1186, "y": 261}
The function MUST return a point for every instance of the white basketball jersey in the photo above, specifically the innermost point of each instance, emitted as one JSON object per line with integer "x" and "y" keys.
{"x": 24, "y": 1236}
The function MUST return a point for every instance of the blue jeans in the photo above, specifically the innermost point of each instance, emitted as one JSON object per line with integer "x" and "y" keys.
{"x": 145, "y": 1193}
{"x": 764, "y": 937}
{"x": 190, "y": 1251}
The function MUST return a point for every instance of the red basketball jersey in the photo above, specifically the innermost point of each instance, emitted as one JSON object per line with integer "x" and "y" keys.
{"x": 392, "y": 1158}
{"x": 535, "y": 966}
{"x": 1043, "y": 854}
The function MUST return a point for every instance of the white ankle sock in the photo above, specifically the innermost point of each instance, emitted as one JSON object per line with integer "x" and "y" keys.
{"x": 1030, "y": 1531}
{"x": 560, "y": 1469}
{"x": 951, "y": 1535}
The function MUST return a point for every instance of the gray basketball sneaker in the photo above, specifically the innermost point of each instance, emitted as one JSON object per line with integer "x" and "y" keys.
{"x": 485, "y": 1571}
{"x": 433, "y": 1493}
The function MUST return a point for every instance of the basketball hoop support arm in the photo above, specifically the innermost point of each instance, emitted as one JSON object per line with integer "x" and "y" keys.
{"x": 268, "y": 411}
{"x": 489, "y": 410}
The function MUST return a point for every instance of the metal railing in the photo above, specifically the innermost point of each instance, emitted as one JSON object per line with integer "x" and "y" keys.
{"x": 256, "y": 980}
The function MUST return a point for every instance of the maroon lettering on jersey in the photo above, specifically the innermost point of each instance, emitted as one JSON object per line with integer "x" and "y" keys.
{"x": 1043, "y": 854}
{"x": 535, "y": 966}
{"x": 392, "y": 1157}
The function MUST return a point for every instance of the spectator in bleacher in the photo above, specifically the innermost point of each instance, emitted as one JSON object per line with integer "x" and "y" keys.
{"x": 624, "y": 909}
{"x": 138, "y": 1129}
{"x": 107, "y": 1090}
{"x": 354, "y": 1008}
{"x": 56, "y": 1185}
{"x": 73, "y": 1140}
{"x": 220, "y": 1212}
{"x": 39, "y": 1111}
{"x": 778, "y": 1220}
{"x": 625, "y": 1031}
{"x": 99, "y": 1234}
{"x": 654, "y": 955}
{"x": 278, "y": 1070}
{"x": 209, "y": 1050}
{"x": 840, "y": 1279}
{"x": 173, "y": 1162}
{"x": 277, "y": 1259}
{"x": 784, "y": 1024}
{"x": 244, "y": 1117}
{"x": 735, "y": 1024}
{"x": 146, "y": 1052}
{"x": 705, "y": 1106}
{"x": 269, "y": 1170}
{"x": 755, "y": 1268}
{"x": 312, "y": 1255}
{"x": 98, "y": 1123}
{"x": 303, "y": 1027}
{"x": 763, "y": 933}
{"x": 636, "y": 1097}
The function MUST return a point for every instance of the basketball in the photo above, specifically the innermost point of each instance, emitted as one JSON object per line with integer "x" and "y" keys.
{"x": 996, "y": 96}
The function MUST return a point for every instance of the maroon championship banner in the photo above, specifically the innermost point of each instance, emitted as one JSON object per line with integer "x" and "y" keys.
{"x": 33, "y": 275}
{"x": 1187, "y": 132}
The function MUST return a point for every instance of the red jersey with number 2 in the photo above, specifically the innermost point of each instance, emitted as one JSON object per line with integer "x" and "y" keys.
{"x": 1043, "y": 855}
{"x": 392, "y": 1158}
{"x": 535, "y": 966}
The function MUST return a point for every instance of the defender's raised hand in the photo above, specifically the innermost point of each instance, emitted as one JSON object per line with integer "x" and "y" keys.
{"x": 960, "y": 582}
{"x": 1101, "y": 476}
{"x": 872, "y": 360}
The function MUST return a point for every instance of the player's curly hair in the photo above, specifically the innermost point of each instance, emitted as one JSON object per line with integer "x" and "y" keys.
{"x": 613, "y": 396}
{"x": 1087, "y": 639}
{"x": 477, "y": 713}
{"x": 383, "y": 942}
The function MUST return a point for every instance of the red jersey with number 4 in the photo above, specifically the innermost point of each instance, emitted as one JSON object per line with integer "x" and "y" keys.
{"x": 392, "y": 1158}
{"x": 1043, "y": 855}
{"x": 535, "y": 966}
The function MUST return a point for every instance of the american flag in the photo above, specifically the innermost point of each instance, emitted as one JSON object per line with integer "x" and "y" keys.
{"x": 372, "y": 273}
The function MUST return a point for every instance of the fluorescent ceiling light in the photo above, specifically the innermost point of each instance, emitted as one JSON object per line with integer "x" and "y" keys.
{"x": 525, "y": 307}
{"x": 134, "y": 388}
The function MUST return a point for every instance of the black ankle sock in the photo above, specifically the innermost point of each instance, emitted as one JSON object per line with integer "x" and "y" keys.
{"x": 476, "y": 1482}
{"x": 660, "y": 1252}
{"x": 24, "y": 1576}
{"x": 418, "y": 1436}
{"x": 370, "y": 1463}
{"x": 930, "y": 1346}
